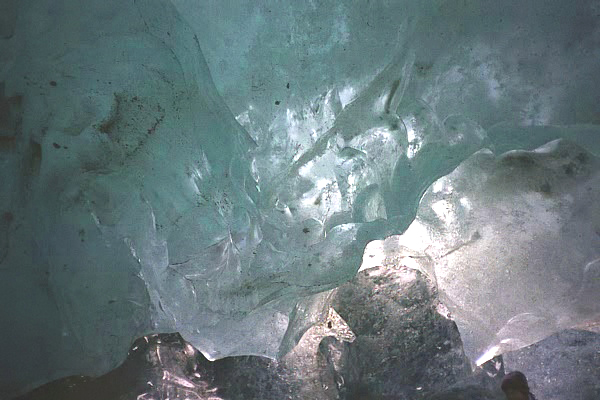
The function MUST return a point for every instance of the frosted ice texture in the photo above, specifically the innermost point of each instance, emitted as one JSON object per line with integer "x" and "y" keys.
{"x": 133, "y": 202}
{"x": 498, "y": 75}
{"x": 143, "y": 193}
{"x": 514, "y": 244}
{"x": 134, "y": 205}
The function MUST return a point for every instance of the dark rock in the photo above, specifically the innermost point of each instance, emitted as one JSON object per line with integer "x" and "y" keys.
{"x": 251, "y": 377}
{"x": 404, "y": 348}
{"x": 562, "y": 366}
{"x": 470, "y": 392}
{"x": 157, "y": 366}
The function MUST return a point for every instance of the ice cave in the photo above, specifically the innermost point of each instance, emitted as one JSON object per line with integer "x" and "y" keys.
{"x": 299, "y": 199}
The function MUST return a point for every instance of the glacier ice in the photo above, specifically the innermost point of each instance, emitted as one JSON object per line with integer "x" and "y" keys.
{"x": 141, "y": 192}
{"x": 513, "y": 243}
{"x": 132, "y": 201}
{"x": 133, "y": 205}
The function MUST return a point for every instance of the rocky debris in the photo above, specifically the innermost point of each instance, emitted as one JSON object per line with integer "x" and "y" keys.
{"x": 405, "y": 349}
{"x": 562, "y": 366}
{"x": 400, "y": 347}
{"x": 157, "y": 366}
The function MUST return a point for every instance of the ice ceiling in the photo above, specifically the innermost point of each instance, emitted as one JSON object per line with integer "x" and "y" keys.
{"x": 459, "y": 138}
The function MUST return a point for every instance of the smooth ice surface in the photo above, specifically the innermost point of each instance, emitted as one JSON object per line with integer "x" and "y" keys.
{"x": 132, "y": 201}
{"x": 133, "y": 204}
{"x": 139, "y": 191}
{"x": 514, "y": 244}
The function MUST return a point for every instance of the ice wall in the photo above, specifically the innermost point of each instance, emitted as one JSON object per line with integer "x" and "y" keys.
{"x": 128, "y": 199}
{"x": 514, "y": 244}
{"x": 483, "y": 74}
{"x": 133, "y": 202}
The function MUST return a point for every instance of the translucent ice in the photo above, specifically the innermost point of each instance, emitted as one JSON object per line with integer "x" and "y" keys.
{"x": 133, "y": 204}
{"x": 143, "y": 192}
{"x": 514, "y": 244}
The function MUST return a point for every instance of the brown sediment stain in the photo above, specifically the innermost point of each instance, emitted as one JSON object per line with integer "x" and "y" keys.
{"x": 518, "y": 159}
{"x": 8, "y": 217}
{"x": 131, "y": 120}
{"x": 108, "y": 125}
{"x": 152, "y": 129}
{"x": 11, "y": 116}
